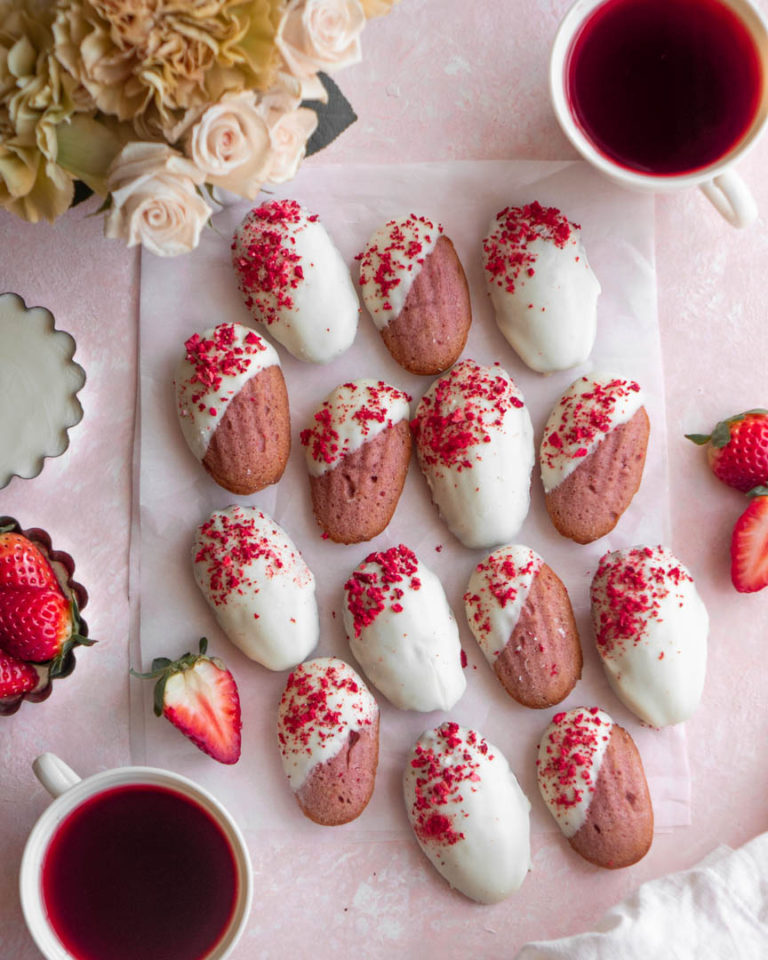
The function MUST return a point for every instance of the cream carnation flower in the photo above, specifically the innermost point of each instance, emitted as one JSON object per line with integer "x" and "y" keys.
{"x": 154, "y": 200}
{"x": 320, "y": 35}
{"x": 151, "y": 61}
{"x": 231, "y": 145}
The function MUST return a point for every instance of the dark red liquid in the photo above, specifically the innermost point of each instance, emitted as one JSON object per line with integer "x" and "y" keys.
{"x": 139, "y": 873}
{"x": 664, "y": 86}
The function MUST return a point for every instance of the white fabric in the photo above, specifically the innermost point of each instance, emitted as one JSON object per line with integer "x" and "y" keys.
{"x": 718, "y": 910}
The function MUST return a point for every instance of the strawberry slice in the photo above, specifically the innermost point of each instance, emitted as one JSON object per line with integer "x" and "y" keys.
{"x": 39, "y": 625}
{"x": 199, "y": 696}
{"x": 22, "y": 563}
{"x": 16, "y": 677}
{"x": 749, "y": 545}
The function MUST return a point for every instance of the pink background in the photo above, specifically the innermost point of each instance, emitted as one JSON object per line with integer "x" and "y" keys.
{"x": 440, "y": 80}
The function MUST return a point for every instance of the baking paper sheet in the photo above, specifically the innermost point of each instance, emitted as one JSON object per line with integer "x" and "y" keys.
{"x": 191, "y": 293}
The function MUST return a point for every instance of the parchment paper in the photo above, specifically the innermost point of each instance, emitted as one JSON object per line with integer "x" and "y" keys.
{"x": 194, "y": 292}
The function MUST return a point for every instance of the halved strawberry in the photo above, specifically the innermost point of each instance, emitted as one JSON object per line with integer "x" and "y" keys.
{"x": 16, "y": 677}
{"x": 39, "y": 625}
{"x": 22, "y": 563}
{"x": 199, "y": 696}
{"x": 737, "y": 449}
{"x": 749, "y": 545}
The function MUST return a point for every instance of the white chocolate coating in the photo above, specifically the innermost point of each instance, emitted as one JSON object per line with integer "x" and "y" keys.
{"x": 468, "y": 813}
{"x": 542, "y": 287}
{"x": 323, "y": 702}
{"x": 651, "y": 627}
{"x": 474, "y": 442}
{"x": 39, "y": 382}
{"x": 588, "y": 410}
{"x": 568, "y": 766}
{"x": 350, "y": 415}
{"x": 214, "y": 369}
{"x": 258, "y": 586}
{"x": 390, "y": 263}
{"x": 496, "y": 594}
{"x": 295, "y": 281}
{"x": 402, "y": 631}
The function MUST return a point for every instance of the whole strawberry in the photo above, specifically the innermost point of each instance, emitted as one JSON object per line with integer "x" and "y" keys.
{"x": 749, "y": 545}
{"x": 39, "y": 625}
{"x": 16, "y": 677}
{"x": 737, "y": 449}
{"x": 199, "y": 696}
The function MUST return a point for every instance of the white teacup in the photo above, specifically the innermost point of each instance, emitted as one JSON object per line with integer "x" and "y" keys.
{"x": 70, "y": 793}
{"x": 718, "y": 181}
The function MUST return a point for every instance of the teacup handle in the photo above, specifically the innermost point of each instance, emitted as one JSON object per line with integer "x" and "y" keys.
{"x": 54, "y": 774}
{"x": 731, "y": 197}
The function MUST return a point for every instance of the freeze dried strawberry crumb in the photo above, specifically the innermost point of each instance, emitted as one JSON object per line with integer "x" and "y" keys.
{"x": 583, "y": 418}
{"x": 506, "y": 251}
{"x": 442, "y": 777}
{"x": 381, "y": 581}
{"x": 222, "y": 354}
{"x": 572, "y": 740}
{"x": 266, "y": 262}
{"x": 502, "y": 581}
{"x": 462, "y": 410}
{"x": 368, "y": 407}
{"x": 627, "y": 591}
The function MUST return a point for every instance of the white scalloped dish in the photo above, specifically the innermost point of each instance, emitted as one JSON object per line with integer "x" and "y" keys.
{"x": 39, "y": 382}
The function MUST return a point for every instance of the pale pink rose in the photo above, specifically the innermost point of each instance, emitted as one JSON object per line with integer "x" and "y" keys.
{"x": 154, "y": 200}
{"x": 231, "y": 145}
{"x": 289, "y": 134}
{"x": 320, "y": 35}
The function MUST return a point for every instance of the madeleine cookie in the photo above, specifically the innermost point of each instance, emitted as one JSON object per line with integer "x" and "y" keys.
{"x": 233, "y": 407}
{"x": 258, "y": 586}
{"x": 328, "y": 733}
{"x": 414, "y": 288}
{"x": 468, "y": 813}
{"x": 520, "y": 614}
{"x": 402, "y": 631}
{"x": 541, "y": 286}
{"x": 592, "y": 780}
{"x": 474, "y": 443}
{"x": 295, "y": 282}
{"x": 592, "y": 455}
{"x": 651, "y": 628}
{"x": 357, "y": 451}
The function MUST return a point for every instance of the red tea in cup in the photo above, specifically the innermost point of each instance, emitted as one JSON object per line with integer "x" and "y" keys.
{"x": 139, "y": 871}
{"x": 664, "y": 87}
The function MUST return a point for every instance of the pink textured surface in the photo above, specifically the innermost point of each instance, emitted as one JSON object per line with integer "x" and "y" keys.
{"x": 439, "y": 81}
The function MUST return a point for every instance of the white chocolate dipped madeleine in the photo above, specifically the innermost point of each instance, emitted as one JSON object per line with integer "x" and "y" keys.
{"x": 591, "y": 778}
{"x": 468, "y": 812}
{"x": 542, "y": 286}
{"x": 232, "y": 405}
{"x": 357, "y": 450}
{"x": 294, "y": 281}
{"x": 474, "y": 443}
{"x": 651, "y": 630}
{"x": 328, "y": 734}
{"x": 402, "y": 631}
{"x": 258, "y": 585}
{"x": 592, "y": 454}
{"x": 521, "y": 616}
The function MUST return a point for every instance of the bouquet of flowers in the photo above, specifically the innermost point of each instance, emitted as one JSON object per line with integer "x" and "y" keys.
{"x": 157, "y": 104}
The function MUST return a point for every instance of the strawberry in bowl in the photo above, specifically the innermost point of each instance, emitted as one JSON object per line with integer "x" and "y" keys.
{"x": 40, "y": 621}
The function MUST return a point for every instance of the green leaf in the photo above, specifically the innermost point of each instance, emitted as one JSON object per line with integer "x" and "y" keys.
{"x": 333, "y": 117}
{"x": 699, "y": 438}
{"x": 761, "y": 491}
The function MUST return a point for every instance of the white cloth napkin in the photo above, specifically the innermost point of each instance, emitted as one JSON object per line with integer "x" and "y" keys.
{"x": 717, "y": 910}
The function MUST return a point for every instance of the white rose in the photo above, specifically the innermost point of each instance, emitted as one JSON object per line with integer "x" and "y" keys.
{"x": 154, "y": 201}
{"x": 231, "y": 144}
{"x": 290, "y": 126}
{"x": 320, "y": 35}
